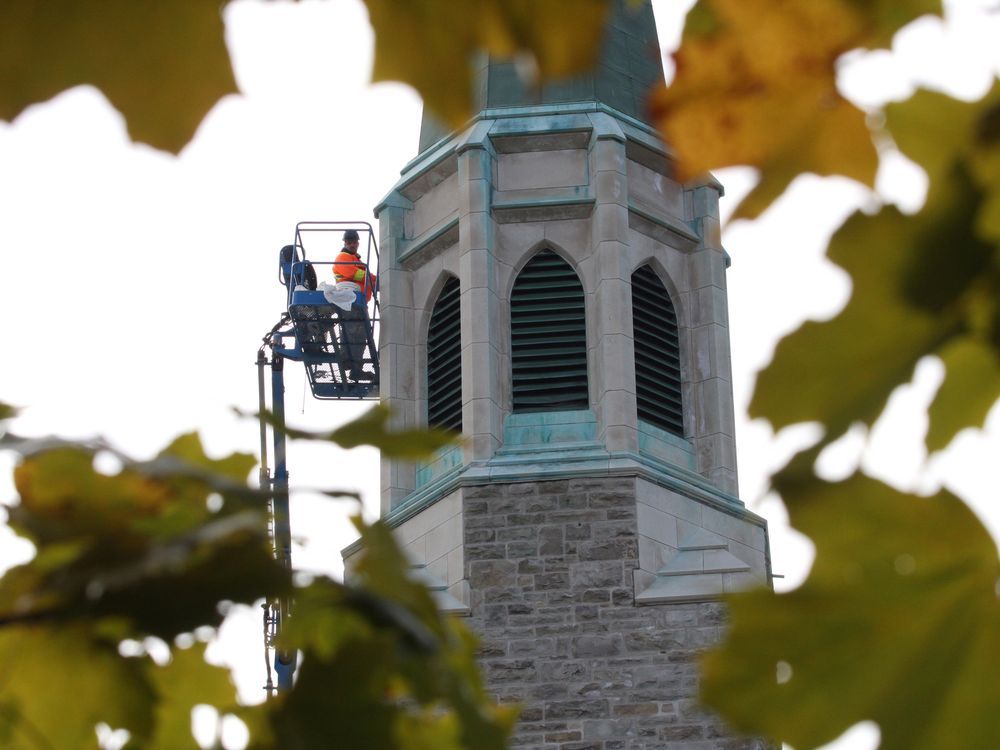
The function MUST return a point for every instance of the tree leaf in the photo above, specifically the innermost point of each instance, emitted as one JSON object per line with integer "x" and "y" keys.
{"x": 162, "y": 65}
{"x": 970, "y": 388}
{"x": 437, "y": 53}
{"x": 906, "y": 304}
{"x": 132, "y": 546}
{"x": 7, "y": 411}
{"x": 185, "y": 682}
{"x": 373, "y": 428}
{"x": 58, "y": 683}
{"x": 897, "y": 623}
{"x": 756, "y": 85}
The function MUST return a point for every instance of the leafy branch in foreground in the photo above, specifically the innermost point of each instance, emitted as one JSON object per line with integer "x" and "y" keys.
{"x": 160, "y": 549}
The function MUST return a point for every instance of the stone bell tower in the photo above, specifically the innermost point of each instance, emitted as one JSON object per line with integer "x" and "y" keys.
{"x": 552, "y": 292}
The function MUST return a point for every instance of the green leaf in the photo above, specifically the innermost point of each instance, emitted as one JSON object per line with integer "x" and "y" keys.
{"x": 898, "y": 623}
{"x": 916, "y": 280}
{"x": 970, "y": 388}
{"x": 58, "y": 683}
{"x": 131, "y": 546}
{"x": 189, "y": 449}
{"x": 437, "y": 53}
{"x": 162, "y": 65}
{"x": 935, "y": 130}
{"x": 373, "y": 428}
{"x": 7, "y": 411}
{"x": 185, "y": 682}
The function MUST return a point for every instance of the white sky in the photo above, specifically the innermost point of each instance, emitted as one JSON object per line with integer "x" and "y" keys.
{"x": 138, "y": 285}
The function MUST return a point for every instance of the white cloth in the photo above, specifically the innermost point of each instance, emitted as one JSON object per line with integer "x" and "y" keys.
{"x": 343, "y": 294}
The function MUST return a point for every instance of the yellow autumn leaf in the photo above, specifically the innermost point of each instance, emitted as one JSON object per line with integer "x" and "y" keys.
{"x": 756, "y": 85}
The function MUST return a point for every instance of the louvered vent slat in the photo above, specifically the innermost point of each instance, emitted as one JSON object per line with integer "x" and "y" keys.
{"x": 657, "y": 353}
{"x": 548, "y": 336}
{"x": 444, "y": 360}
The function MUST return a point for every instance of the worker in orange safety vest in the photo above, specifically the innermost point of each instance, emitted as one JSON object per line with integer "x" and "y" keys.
{"x": 348, "y": 270}
{"x": 349, "y": 267}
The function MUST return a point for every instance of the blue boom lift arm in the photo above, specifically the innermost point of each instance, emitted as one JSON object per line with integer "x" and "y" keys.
{"x": 331, "y": 329}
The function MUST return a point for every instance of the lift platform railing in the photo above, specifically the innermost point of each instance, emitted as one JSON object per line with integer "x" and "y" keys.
{"x": 335, "y": 340}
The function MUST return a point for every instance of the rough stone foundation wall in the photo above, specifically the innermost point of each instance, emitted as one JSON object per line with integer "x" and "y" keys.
{"x": 550, "y": 570}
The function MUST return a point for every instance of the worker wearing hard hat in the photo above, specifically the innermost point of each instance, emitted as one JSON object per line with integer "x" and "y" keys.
{"x": 351, "y": 272}
{"x": 349, "y": 267}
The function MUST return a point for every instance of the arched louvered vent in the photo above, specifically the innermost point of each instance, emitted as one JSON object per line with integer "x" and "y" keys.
{"x": 444, "y": 360}
{"x": 548, "y": 337}
{"x": 657, "y": 353}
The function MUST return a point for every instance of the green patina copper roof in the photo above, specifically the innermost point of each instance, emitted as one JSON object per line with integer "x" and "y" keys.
{"x": 629, "y": 65}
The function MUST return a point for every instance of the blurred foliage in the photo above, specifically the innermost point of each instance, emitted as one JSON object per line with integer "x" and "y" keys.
{"x": 898, "y": 620}
{"x": 756, "y": 85}
{"x": 160, "y": 549}
{"x": 162, "y": 65}
{"x": 374, "y": 428}
{"x": 442, "y": 45}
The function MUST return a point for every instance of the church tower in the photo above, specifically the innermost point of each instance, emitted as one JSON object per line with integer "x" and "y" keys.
{"x": 551, "y": 291}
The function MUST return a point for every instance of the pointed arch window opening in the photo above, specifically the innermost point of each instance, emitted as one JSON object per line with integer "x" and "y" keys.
{"x": 548, "y": 337}
{"x": 657, "y": 353}
{"x": 444, "y": 359}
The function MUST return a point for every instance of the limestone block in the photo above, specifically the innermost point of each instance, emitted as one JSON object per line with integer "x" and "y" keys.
{"x": 609, "y": 155}
{"x": 655, "y": 191}
{"x": 710, "y": 230}
{"x": 442, "y": 539}
{"x": 716, "y": 451}
{"x": 680, "y": 507}
{"x": 456, "y": 565}
{"x": 433, "y": 207}
{"x": 714, "y": 410}
{"x": 572, "y": 236}
{"x": 618, "y": 437}
{"x": 707, "y": 268}
{"x": 611, "y": 187}
{"x": 711, "y": 353}
{"x": 657, "y": 525}
{"x": 475, "y": 164}
{"x": 476, "y": 231}
{"x": 615, "y": 356}
{"x": 542, "y": 169}
{"x": 710, "y": 306}
{"x": 395, "y": 288}
{"x": 475, "y": 196}
{"x": 416, "y": 550}
{"x": 485, "y": 417}
{"x": 738, "y": 529}
{"x": 616, "y": 408}
{"x": 613, "y": 300}
{"x": 477, "y": 268}
{"x": 613, "y": 262}
{"x": 653, "y": 555}
{"x": 479, "y": 313}
{"x": 515, "y": 242}
{"x": 724, "y": 479}
{"x": 705, "y": 200}
{"x": 611, "y": 223}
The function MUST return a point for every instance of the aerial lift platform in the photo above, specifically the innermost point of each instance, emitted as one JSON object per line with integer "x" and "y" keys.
{"x": 332, "y": 329}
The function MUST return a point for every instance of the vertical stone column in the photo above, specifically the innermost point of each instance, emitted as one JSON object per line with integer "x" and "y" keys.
{"x": 711, "y": 376}
{"x": 609, "y": 327}
{"x": 397, "y": 338}
{"x": 482, "y": 330}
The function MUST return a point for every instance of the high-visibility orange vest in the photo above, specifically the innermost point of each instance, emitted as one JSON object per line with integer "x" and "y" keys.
{"x": 345, "y": 268}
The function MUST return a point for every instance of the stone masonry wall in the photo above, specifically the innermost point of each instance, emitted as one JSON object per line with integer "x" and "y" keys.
{"x": 550, "y": 570}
